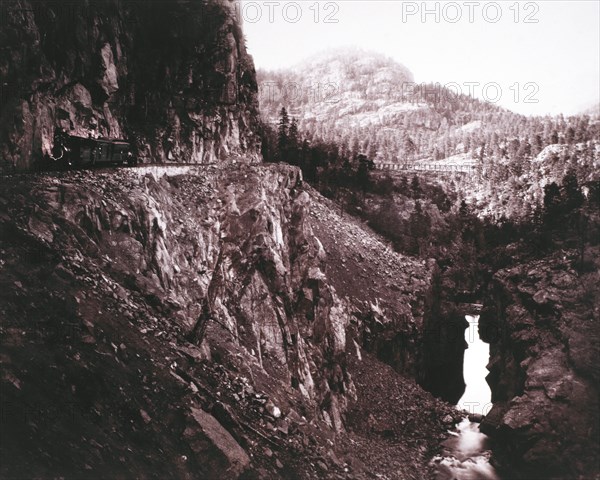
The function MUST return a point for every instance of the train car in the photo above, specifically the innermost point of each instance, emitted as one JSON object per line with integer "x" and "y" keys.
{"x": 70, "y": 151}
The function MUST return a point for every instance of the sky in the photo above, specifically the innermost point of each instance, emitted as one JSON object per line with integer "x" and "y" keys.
{"x": 534, "y": 58}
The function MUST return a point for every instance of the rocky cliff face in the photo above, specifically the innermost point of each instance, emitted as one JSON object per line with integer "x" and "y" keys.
{"x": 222, "y": 264}
{"x": 191, "y": 311}
{"x": 541, "y": 322}
{"x": 172, "y": 77}
{"x": 443, "y": 346}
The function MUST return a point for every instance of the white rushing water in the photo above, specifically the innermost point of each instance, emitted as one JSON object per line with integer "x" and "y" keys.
{"x": 478, "y": 396}
{"x": 466, "y": 453}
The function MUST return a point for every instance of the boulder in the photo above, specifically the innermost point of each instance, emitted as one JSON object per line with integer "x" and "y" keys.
{"x": 216, "y": 450}
{"x": 475, "y": 417}
{"x": 448, "y": 419}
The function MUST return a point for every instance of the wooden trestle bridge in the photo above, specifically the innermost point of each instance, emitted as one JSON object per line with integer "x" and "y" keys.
{"x": 428, "y": 167}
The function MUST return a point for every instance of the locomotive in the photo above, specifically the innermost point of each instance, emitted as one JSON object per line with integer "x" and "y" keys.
{"x": 70, "y": 151}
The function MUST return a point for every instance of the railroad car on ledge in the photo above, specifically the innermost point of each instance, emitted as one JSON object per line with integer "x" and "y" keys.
{"x": 70, "y": 151}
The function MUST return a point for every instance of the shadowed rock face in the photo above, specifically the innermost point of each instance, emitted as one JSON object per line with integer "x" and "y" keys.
{"x": 104, "y": 277}
{"x": 172, "y": 77}
{"x": 443, "y": 355}
{"x": 130, "y": 260}
{"x": 541, "y": 322}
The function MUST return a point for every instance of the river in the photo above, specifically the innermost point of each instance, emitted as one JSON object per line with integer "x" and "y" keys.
{"x": 466, "y": 454}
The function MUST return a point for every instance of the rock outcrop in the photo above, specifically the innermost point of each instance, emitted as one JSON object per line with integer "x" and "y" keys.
{"x": 541, "y": 320}
{"x": 223, "y": 263}
{"x": 216, "y": 445}
{"x": 184, "y": 321}
{"x": 173, "y": 78}
{"x": 443, "y": 346}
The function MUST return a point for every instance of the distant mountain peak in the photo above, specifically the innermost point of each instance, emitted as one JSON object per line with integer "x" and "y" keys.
{"x": 366, "y": 61}
{"x": 349, "y": 52}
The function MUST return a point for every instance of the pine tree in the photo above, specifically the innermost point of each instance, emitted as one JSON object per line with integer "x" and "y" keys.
{"x": 481, "y": 152}
{"x": 594, "y": 194}
{"x": 513, "y": 148}
{"x": 363, "y": 173}
{"x": 464, "y": 211}
{"x": 293, "y": 133}
{"x": 292, "y": 143}
{"x": 536, "y": 145}
{"x": 347, "y": 173}
{"x": 572, "y": 196}
{"x": 552, "y": 204}
{"x": 355, "y": 150}
{"x": 372, "y": 152}
{"x": 282, "y": 133}
{"x": 409, "y": 147}
{"x": 570, "y": 135}
{"x": 420, "y": 228}
{"x": 403, "y": 187}
{"x": 415, "y": 187}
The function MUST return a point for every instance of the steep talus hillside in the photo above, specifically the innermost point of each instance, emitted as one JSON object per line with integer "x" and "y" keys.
{"x": 542, "y": 322}
{"x": 388, "y": 289}
{"x": 174, "y": 78}
{"x": 186, "y": 325}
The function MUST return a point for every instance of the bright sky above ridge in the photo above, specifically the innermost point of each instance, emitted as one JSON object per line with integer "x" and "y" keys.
{"x": 517, "y": 52}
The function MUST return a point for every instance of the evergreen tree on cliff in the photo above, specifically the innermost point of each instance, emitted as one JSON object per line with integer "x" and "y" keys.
{"x": 415, "y": 187}
{"x": 282, "y": 133}
{"x": 363, "y": 173}
{"x": 552, "y": 205}
{"x": 573, "y": 198}
{"x": 293, "y": 142}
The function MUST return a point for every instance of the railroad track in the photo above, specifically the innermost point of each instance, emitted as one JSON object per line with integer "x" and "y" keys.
{"x": 150, "y": 167}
